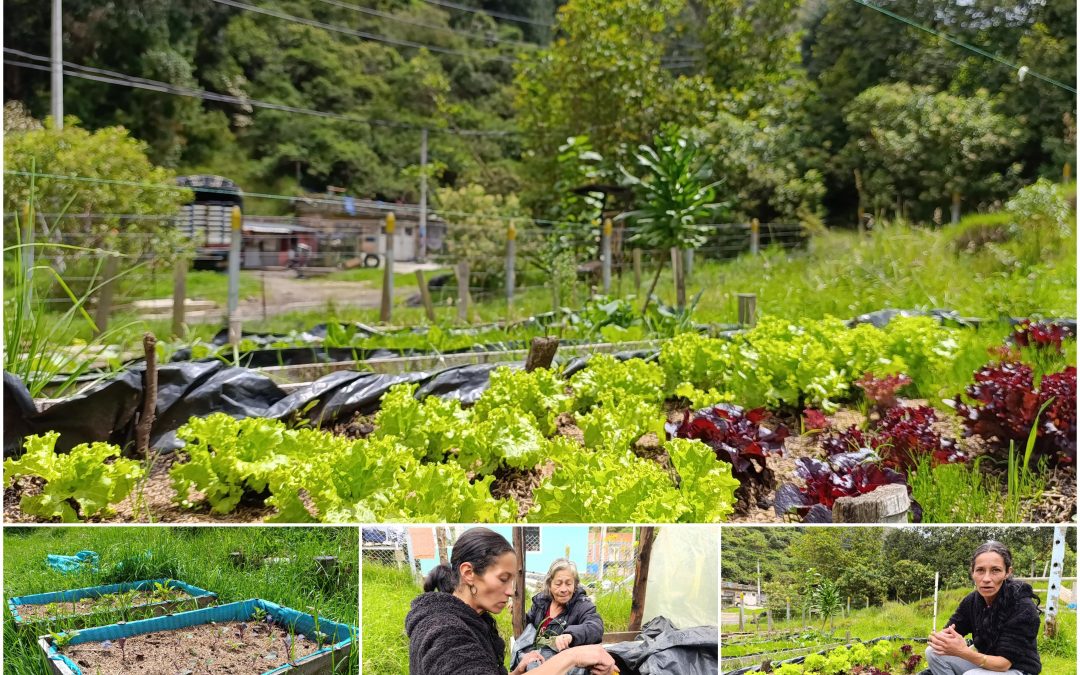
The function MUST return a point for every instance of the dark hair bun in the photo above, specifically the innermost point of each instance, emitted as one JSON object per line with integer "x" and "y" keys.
{"x": 440, "y": 579}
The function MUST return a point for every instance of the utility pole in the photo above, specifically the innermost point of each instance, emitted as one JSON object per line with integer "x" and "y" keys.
{"x": 421, "y": 255}
{"x": 57, "y": 62}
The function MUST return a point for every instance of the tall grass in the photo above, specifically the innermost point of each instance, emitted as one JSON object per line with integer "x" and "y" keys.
{"x": 199, "y": 556}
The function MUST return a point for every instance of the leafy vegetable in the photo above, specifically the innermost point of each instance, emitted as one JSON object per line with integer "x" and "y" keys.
{"x": 1006, "y": 406}
{"x": 846, "y": 474}
{"x": 737, "y": 437}
{"x": 78, "y": 484}
{"x": 881, "y": 391}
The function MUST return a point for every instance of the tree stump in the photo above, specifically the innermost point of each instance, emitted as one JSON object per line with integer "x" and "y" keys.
{"x": 887, "y": 504}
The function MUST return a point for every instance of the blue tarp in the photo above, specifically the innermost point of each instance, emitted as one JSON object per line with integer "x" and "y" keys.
{"x": 73, "y": 563}
{"x": 341, "y": 634}
{"x": 98, "y": 591}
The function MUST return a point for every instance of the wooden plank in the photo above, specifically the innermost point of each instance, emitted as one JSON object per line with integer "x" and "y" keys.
{"x": 425, "y": 296}
{"x": 519, "y": 586}
{"x": 641, "y": 577}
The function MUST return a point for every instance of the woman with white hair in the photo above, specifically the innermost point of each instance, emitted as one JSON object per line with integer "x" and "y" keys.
{"x": 562, "y": 613}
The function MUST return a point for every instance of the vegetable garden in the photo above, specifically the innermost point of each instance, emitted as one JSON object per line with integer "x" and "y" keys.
{"x": 774, "y": 423}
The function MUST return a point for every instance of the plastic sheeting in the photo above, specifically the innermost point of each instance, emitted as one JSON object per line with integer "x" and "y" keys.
{"x": 682, "y": 576}
{"x": 662, "y": 648}
{"x": 98, "y": 591}
{"x": 73, "y": 563}
{"x": 341, "y": 634}
{"x": 523, "y": 644}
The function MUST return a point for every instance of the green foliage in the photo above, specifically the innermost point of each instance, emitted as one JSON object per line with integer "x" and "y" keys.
{"x": 825, "y": 599}
{"x": 109, "y": 154}
{"x": 805, "y": 363}
{"x": 79, "y": 484}
{"x": 706, "y": 484}
{"x": 346, "y": 481}
{"x": 477, "y": 230}
{"x": 904, "y": 140}
{"x": 608, "y": 376}
{"x": 540, "y": 395}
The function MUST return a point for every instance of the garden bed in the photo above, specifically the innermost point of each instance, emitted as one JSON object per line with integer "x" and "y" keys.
{"x": 254, "y": 637}
{"x": 153, "y": 597}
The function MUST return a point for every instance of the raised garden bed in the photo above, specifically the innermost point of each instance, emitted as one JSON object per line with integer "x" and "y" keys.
{"x": 253, "y": 637}
{"x": 152, "y": 597}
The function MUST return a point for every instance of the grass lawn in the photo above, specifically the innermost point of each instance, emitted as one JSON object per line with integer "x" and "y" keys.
{"x": 198, "y": 556}
{"x": 388, "y": 594}
{"x": 910, "y": 620}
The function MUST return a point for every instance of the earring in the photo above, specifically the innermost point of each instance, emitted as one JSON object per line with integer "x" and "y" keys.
{"x": 473, "y": 589}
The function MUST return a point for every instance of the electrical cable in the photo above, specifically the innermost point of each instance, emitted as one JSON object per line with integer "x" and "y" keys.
{"x": 948, "y": 38}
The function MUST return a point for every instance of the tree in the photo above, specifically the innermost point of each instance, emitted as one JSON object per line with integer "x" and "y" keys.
{"x": 911, "y": 580}
{"x": 477, "y": 227}
{"x": 825, "y": 599}
{"x": 917, "y": 149}
{"x": 99, "y": 214}
{"x": 673, "y": 200}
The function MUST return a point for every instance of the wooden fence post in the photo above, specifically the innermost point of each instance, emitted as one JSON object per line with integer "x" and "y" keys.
{"x": 641, "y": 577}
{"x": 511, "y": 260}
{"x": 747, "y": 309}
{"x": 106, "y": 291}
{"x": 425, "y": 295}
{"x": 519, "y": 587}
{"x": 463, "y": 291}
{"x": 146, "y": 419}
{"x": 179, "y": 296}
{"x": 386, "y": 306}
{"x": 605, "y": 255}
{"x": 637, "y": 271}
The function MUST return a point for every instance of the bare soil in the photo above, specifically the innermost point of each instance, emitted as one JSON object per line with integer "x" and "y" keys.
{"x": 208, "y": 648}
{"x": 110, "y": 602}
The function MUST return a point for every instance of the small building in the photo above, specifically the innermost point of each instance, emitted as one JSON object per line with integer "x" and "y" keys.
{"x": 270, "y": 242}
{"x": 357, "y": 226}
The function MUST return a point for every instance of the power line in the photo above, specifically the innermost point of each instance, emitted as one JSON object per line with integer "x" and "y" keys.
{"x": 948, "y": 38}
{"x": 497, "y": 15}
{"x": 357, "y": 33}
{"x": 123, "y": 79}
{"x": 413, "y": 22}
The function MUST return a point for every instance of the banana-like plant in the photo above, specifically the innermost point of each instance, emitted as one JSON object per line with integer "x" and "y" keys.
{"x": 675, "y": 201}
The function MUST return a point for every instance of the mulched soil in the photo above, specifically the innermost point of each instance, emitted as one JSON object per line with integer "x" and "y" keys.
{"x": 1056, "y": 505}
{"x": 103, "y": 603}
{"x": 207, "y": 648}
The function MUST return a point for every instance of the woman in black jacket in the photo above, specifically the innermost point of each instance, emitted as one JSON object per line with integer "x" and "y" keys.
{"x": 1002, "y": 616}
{"x": 562, "y": 612}
{"x": 450, "y": 627}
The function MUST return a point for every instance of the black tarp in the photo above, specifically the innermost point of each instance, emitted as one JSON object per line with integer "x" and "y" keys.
{"x": 662, "y": 648}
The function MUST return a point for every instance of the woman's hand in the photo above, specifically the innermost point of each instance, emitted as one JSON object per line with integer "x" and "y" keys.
{"x": 563, "y": 641}
{"x": 526, "y": 660}
{"x": 595, "y": 658}
{"x": 948, "y": 642}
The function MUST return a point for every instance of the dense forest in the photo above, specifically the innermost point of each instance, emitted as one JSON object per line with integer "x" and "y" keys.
{"x": 809, "y": 110}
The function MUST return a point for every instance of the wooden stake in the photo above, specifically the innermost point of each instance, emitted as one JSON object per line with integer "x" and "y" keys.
{"x": 425, "y": 296}
{"x": 519, "y": 587}
{"x": 105, "y": 292}
{"x": 747, "y": 309}
{"x": 463, "y": 291}
{"x": 146, "y": 419}
{"x": 641, "y": 577}
{"x": 541, "y": 353}
{"x": 179, "y": 296}
{"x": 637, "y": 271}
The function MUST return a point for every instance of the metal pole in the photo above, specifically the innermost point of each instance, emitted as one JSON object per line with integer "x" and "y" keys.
{"x": 385, "y": 308}
{"x": 605, "y": 255}
{"x": 937, "y": 579}
{"x": 1054, "y": 586}
{"x": 755, "y": 236}
{"x": 237, "y": 236}
{"x": 57, "y": 63}
{"x": 422, "y": 253}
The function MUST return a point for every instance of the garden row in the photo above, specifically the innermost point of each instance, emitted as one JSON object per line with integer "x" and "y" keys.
{"x": 876, "y": 657}
{"x": 254, "y": 636}
{"x": 687, "y": 436}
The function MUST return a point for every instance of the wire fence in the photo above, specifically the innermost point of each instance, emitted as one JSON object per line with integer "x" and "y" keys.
{"x": 137, "y": 263}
